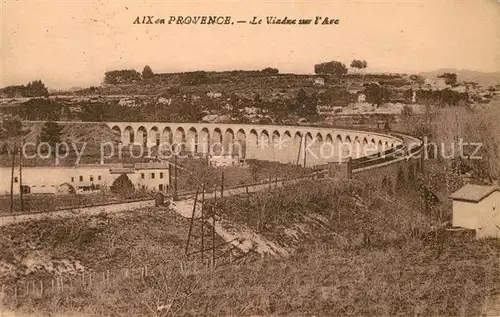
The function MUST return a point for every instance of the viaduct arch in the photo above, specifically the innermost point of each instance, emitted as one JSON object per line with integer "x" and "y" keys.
{"x": 302, "y": 145}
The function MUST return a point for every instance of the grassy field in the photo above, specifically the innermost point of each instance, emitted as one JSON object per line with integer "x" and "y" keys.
{"x": 384, "y": 268}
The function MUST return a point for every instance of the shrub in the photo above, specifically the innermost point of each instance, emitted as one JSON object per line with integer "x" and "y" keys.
{"x": 123, "y": 186}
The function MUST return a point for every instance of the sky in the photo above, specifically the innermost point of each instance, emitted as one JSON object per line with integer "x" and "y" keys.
{"x": 72, "y": 43}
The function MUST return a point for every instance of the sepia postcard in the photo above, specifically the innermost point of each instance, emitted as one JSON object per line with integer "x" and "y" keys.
{"x": 249, "y": 158}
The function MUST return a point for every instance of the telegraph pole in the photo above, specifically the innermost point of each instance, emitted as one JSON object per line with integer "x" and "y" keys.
{"x": 21, "y": 176}
{"x": 176, "y": 198}
{"x": 202, "y": 222}
{"x": 222, "y": 189}
{"x": 305, "y": 153}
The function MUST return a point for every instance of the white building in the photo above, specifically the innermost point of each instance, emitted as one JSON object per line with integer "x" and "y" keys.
{"x": 477, "y": 207}
{"x": 225, "y": 160}
{"x": 84, "y": 178}
{"x": 361, "y": 98}
{"x": 319, "y": 81}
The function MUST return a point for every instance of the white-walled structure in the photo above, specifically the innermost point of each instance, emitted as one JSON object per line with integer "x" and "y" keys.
{"x": 84, "y": 178}
{"x": 225, "y": 160}
{"x": 477, "y": 207}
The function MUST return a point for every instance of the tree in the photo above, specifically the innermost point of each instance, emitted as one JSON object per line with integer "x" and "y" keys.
{"x": 122, "y": 186}
{"x": 124, "y": 76}
{"x": 147, "y": 72}
{"x": 51, "y": 133}
{"x": 406, "y": 113}
{"x": 333, "y": 68}
{"x": 304, "y": 106}
{"x": 270, "y": 70}
{"x": 376, "y": 94}
{"x": 36, "y": 89}
{"x": 358, "y": 64}
{"x": 449, "y": 78}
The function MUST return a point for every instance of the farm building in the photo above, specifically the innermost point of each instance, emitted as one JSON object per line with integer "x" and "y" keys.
{"x": 477, "y": 207}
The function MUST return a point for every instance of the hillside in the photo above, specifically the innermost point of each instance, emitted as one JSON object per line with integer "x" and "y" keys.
{"x": 363, "y": 259}
{"x": 482, "y": 78}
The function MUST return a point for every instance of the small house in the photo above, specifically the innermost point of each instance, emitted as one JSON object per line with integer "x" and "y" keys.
{"x": 319, "y": 81}
{"x": 477, "y": 207}
{"x": 361, "y": 98}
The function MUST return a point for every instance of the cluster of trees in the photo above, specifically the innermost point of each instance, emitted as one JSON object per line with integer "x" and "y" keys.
{"x": 33, "y": 89}
{"x": 337, "y": 68}
{"x": 377, "y": 94}
{"x": 359, "y": 64}
{"x": 449, "y": 78}
{"x": 330, "y": 68}
{"x": 441, "y": 98}
{"x": 130, "y": 76}
{"x": 304, "y": 105}
{"x": 40, "y": 109}
{"x": 51, "y": 133}
{"x": 270, "y": 70}
{"x": 417, "y": 79}
{"x": 451, "y": 124}
{"x": 125, "y": 76}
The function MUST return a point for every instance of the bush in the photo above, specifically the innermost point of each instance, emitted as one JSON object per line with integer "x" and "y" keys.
{"x": 125, "y": 76}
{"x": 270, "y": 70}
{"x": 122, "y": 186}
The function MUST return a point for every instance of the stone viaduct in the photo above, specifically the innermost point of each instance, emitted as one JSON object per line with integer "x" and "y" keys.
{"x": 302, "y": 145}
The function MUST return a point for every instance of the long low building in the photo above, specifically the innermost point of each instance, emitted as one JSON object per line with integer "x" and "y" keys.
{"x": 84, "y": 178}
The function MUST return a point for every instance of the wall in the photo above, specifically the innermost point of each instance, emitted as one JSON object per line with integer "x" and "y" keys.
{"x": 391, "y": 175}
{"x": 483, "y": 216}
{"x": 465, "y": 214}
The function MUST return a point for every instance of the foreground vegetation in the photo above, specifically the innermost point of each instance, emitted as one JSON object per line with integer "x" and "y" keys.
{"x": 393, "y": 272}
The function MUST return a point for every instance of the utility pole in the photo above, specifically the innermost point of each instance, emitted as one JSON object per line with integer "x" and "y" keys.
{"x": 21, "y": 176}
{"x": 222, "y": 189}
{"x": 213, "y": 239}
{"x": 176, "y": 198}
{"x": 191, "y": 222}
{"x": 213, "y": 211}
{"x": 12, "y": 179}
{"x": 202, "y": 223}
{"x": 305, "y": 153}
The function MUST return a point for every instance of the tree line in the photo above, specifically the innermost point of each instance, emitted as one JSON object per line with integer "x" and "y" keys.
{"x": 33, "y": 89}
{"x": 131, "y": 76}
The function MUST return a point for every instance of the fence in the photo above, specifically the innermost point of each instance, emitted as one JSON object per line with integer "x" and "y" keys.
{"x": 60, "y": 284}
